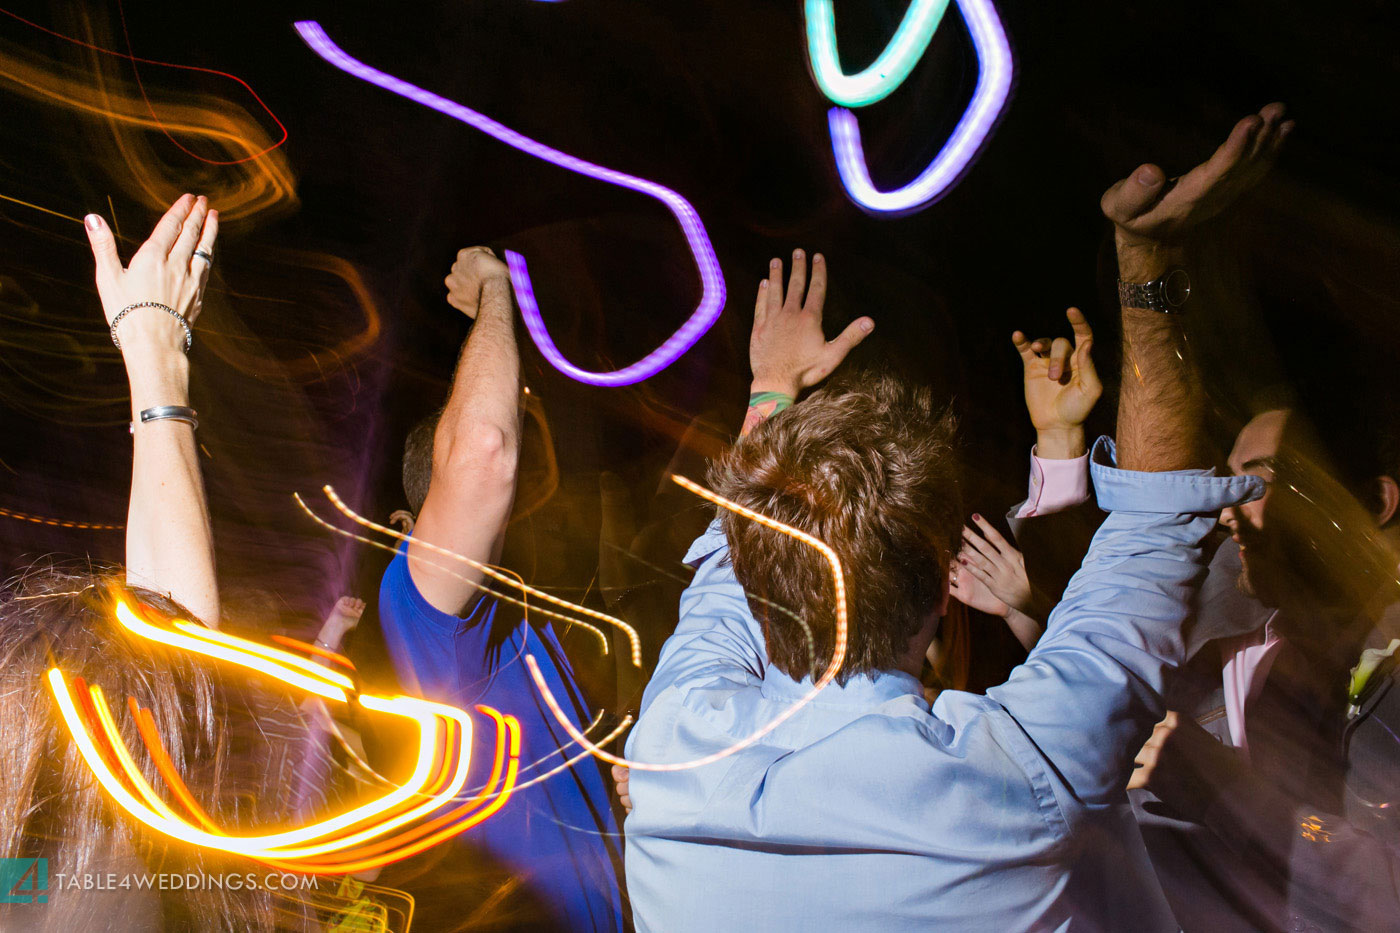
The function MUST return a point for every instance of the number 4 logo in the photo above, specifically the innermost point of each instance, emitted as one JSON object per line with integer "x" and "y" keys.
{"x": 24, "y": 881}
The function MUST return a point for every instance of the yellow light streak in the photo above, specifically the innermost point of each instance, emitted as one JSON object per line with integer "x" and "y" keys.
{"x": 203, "y": 646}
{"x": 489, "y": 571}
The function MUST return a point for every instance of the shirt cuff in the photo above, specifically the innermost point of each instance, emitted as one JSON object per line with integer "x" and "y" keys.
{"x": 1055, "y": 485}
{"x": 1176, "y": 492}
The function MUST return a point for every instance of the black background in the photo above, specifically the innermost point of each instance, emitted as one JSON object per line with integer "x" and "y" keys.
{"x": 714, "y": 100}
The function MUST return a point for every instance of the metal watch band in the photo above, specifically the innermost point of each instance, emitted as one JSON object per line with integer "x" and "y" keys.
{"x": 1167, "y": 294}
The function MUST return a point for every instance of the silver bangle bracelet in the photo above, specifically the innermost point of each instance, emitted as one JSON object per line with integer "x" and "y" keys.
{"x": 182, "y": 413}
{"x": 189, "y": 334}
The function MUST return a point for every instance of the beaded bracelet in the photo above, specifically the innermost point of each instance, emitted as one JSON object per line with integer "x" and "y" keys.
{"x": 189, "y": 334}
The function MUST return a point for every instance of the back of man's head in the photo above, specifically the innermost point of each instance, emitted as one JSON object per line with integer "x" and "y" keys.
{"x": 418, "y": 461}
{"x": 868, "y": 466}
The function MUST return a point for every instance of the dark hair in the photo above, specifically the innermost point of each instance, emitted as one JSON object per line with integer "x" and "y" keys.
{"x": 55, "y": 809}
{"x": 868, "y": 466}
{"x": 418, "y": 461}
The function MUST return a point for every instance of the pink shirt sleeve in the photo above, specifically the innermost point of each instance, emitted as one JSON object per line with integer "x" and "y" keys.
{"x": 1056, "y": 485}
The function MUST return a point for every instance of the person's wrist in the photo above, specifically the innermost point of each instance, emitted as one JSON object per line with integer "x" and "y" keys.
{"x": 1141, "y": 260}
{"x": 788, "y": 387}
{"x": 496, "y": 284}
{"x": 1060, "y": 443}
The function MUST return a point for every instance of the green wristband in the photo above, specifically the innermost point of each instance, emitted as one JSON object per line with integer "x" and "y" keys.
{"x": 782, "y": 400}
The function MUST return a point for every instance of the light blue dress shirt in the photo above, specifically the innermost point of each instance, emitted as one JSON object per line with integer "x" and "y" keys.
{"x": 868, "y": 810}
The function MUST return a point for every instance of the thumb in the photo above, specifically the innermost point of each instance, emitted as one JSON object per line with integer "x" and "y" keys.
{"x": 847, "y": 340}
{"x": 1084, "y": 362}
{"x": 1133, "y": 195}
{"x": 104, "y": 248}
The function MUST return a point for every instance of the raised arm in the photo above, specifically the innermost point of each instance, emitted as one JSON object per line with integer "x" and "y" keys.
{"x": 152, "y": 302}
{"x": 1159, "y": 416}
{"x": 717, "y": 636}
{"x": 1091, "y": 690}
{"x": 477, "y": 441}
{"x": 788, "y": 350}
{"x": 1062, "y": 386}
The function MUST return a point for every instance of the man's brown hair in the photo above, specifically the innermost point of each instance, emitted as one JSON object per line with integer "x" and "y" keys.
{"x": 418, "y": 461}
{"x": 868, "y": 466}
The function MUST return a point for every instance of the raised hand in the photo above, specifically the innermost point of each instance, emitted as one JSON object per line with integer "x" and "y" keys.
{"x": 475, "y": 266}
{"x": 1148, "y": 211}
{"x": 170, "y": 268}
{"x": 788, "y": 351}
{"x": 1062, "y": 387}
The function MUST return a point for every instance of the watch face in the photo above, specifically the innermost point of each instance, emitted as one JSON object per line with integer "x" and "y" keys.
{"x": 1176, "y": 288}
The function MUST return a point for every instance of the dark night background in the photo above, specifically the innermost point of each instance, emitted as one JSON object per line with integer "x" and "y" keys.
{"x": 713, "y": 100}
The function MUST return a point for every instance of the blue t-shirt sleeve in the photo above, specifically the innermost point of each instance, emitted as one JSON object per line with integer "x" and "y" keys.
{"x": 436, "y": 655}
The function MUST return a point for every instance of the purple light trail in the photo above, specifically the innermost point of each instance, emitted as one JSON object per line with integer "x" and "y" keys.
{"x": 994, "y": 72}
{"x": 711, "y": 279}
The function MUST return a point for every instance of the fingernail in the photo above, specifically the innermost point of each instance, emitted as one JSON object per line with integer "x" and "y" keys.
{"x": 867, "y": 326}
{"x": 762, "y": 285}
{"x": 976, "y": 517}
{"x": 818, "y": 258}
{"x": 797, "y": 254}
{"x": 93, "y": 222}
{"x": 1146, "y": 178}
{"x": 775, "y": 263}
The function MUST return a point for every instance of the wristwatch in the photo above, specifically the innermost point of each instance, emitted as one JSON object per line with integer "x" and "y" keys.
{"x": 1167, "y": 294}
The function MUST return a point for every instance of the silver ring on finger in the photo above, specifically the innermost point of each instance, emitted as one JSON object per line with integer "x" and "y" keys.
{"x": 203, "y": 254}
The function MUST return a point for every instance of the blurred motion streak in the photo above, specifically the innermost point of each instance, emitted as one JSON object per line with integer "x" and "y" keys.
{"x": 890, "y": 67}
{"x": 496, "y": 575}
{"x": 711, "y": 279}
{"x": 838, "y": 656}
{"x": 328, "y": 845}
{"x": 995, "y": 69}
{"x": 134, "y": 59}
{"x": 257, "y": 180}
{"x": 57, "y": 522}
{"x": 219, "y": 334}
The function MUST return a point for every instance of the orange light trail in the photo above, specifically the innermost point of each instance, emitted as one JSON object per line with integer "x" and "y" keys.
{"x": 150, "y": 61}
{"x": 444, "y": 757}
{"x": 58, "y": 523}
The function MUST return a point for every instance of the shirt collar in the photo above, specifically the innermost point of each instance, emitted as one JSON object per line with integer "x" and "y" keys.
{"x": 711, "y": 540}
{"x": 860, "y": 691}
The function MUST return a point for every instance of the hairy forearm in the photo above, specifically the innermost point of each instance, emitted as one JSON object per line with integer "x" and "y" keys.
{"x": 1162, "y": 406}
{"x": 169, "y": 538}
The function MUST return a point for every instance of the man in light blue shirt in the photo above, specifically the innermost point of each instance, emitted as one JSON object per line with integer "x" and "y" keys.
{"x": 866, "y": 809}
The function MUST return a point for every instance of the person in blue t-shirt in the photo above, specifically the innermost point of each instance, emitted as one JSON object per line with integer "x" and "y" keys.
{"x": 449, "y": 641}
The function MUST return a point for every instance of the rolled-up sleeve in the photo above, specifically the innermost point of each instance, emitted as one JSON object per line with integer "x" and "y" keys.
{"x": 1091, "y": 690}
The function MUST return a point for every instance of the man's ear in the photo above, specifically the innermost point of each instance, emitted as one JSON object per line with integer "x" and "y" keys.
{"x": 1387, "y": 498}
